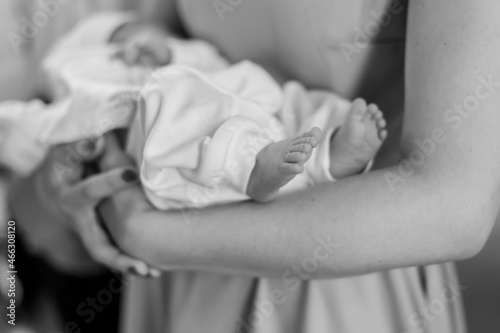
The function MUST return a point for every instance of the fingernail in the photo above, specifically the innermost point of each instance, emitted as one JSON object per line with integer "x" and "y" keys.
{"x": 129, "y": 176}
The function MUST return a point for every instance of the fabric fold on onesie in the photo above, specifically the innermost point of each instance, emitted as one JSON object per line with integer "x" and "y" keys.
{"x": 201, "y": 133}
{"x": 201, "y": 122}
{"x": 197, "y": 134}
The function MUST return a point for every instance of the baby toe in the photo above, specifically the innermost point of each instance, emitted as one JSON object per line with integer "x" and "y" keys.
{"x": 382, "y": 135}
{"x": 358, "y": 107}
{"x": 295, "y": 157}
{"x": 372, "y": 108}
{"x": 303, "y": 135}
{"x": 379, "y": 114}
{"x": 291, "y": 168}
{"x": 301, "y": 148}
{"x": 381, "y": 123}
{"x": 311, "y": 140}
{"x": 374, "y": 112}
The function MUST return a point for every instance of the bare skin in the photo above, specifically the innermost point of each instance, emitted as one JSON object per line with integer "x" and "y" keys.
{"x": 279, "y": 163}
{"x": 358, "y": 140}
{"x": 434, "y": 215}
{"x": 142, "y": 44}
{"x": 351, "y": 149}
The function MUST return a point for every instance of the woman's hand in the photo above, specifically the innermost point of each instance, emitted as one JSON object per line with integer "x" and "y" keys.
{"x": 130, "y": 202}
{"x": 69, "y": 202}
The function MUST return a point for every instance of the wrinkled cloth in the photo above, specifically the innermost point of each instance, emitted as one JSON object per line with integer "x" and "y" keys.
{"x": 200, "y": 125}
{"x": 197, "y": 134}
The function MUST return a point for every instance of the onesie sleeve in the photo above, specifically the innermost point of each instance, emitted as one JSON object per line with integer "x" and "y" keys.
{"x": 20, "y": 150}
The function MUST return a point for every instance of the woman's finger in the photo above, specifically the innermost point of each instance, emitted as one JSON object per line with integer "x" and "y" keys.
{"x": 65, "y": 163}
{"x": 114, "y": 156}
{"x": 62, "y": 167}
{"x": 96, "y": 188}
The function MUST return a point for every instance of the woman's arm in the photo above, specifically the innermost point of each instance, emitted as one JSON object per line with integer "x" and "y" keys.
{"x": 441, "y": 208}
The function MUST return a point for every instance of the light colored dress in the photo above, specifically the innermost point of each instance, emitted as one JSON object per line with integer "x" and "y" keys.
{"x": 303, "y": 40}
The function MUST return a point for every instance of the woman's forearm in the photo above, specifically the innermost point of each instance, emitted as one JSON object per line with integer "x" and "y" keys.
{"x": 352, "y": 227}
{"x": 439, "y": 204}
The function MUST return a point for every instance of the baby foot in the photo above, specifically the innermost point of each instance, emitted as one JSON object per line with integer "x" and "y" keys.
{"x": 278, "y": 163}
{"x": 358, "y": 140}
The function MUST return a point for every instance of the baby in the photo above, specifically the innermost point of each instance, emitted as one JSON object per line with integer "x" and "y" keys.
{"x": 351, "y": 147}
{"x": 206, "y": 131}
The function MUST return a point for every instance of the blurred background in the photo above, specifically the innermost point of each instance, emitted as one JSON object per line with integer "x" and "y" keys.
{"x": 51, "y": 297}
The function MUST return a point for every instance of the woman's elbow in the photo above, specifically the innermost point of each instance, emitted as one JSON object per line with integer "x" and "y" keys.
{"x": 461, "y": 210}
{"x": 482, "y": 234}
{"x": 472, "y": 229}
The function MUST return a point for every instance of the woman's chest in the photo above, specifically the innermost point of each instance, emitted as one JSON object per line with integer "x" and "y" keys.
{"x": 349, "y": 46}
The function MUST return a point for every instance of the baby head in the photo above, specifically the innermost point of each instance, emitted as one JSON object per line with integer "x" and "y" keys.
{"x": 142, "y": 43}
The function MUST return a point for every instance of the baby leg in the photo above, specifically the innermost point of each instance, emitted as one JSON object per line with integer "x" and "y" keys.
{"x": 278, "y": 163}
{"x": 358, "y": 140}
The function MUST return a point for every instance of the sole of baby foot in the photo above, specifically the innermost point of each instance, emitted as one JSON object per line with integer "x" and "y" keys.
{"x": 358, "y": 140}
{"x": 277, "y": 164}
